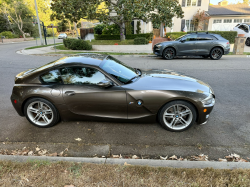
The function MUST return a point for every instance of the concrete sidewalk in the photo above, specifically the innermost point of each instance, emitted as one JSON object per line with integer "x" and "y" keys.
{"x": 139, "y": 162}
{"x": 102, "y": 48}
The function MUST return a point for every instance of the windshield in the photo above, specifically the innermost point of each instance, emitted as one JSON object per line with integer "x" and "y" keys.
{"x": 117, "y": 69}
{"x": 180, "y": 37}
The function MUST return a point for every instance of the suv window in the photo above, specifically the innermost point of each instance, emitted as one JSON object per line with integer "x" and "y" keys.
{"x": 81, "y": 75}
{"x": 52, "y": 77}
{"x": 202, "y": 37}
{"x": 191, "y": 37}
{"x": 244, "y": 28}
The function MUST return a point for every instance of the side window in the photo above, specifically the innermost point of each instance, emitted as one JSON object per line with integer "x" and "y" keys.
{"x": 52, "y": 77}
{"x": 191, "y": 37}
{"x": 81, "y": 75}
{"x": 244, "y": 28}
{"x": 203, "y": 37}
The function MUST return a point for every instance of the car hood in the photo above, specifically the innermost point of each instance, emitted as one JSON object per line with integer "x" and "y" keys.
{"x": 168, "y": 42}
{"x": 169, "y": 80}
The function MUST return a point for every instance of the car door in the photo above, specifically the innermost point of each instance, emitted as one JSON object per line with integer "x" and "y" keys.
{"x": 186, "y": 46}
{"x": 83, "y": 96}
{"x": 203, "y": 44}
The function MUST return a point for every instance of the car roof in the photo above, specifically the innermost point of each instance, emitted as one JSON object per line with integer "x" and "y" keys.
{"x": 93, "y": 59}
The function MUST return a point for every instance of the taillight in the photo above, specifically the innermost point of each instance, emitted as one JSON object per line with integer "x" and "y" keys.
{"x": 227, "y": 42}
{"x": 15, "y": 101}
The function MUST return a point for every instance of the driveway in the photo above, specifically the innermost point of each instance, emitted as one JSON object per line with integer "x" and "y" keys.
{"x": 226, "y": 132}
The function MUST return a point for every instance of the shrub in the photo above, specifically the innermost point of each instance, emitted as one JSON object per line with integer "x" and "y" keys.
{"x": 128, "y": 37}
{"x": 140, "y": 41}
{"x": 229, "y": 35}
{"x": 7, "y": 34}
{"x": 98, "y": 28}
{"x": 111, "y": 29}
{"x": 76, "y": 44}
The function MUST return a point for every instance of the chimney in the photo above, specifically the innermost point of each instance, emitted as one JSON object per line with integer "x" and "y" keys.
{"x": 223, "y": 3}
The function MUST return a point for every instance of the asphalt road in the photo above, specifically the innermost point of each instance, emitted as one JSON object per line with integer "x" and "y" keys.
{"x": 226, "y": 132}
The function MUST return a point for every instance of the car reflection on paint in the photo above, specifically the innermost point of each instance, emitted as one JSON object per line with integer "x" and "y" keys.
{"x": 100, "y": 87}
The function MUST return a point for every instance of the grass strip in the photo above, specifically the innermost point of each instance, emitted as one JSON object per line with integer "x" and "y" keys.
{"x": 44, "y": 173}
{"x": 40, "y": 46}
{"x": 106, "y": 53}
{"x": 245, "y": 53}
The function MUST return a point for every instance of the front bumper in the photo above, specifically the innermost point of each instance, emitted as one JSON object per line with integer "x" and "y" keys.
{"x": 204, "y": 113}
{"x": 157, "y": 51}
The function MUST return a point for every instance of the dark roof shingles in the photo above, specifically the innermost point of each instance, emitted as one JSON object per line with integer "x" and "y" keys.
{"x": 235, "y": 9}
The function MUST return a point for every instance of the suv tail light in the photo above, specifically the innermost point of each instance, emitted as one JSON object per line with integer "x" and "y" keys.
{"x": 228, "y": 43}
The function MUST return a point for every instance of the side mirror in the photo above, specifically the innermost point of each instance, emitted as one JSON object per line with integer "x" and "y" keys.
{"x": 104, "y": 83}
{"x": 182, "y": 41}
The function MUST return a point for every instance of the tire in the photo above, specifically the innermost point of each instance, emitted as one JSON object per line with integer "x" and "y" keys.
{"x": 248, "y": 42}
{"x": 168, "y": 53}
{"x": 41, "y": 113}
{"x": 205, "y": 56}
{"x": 181, "y": 119}
{"x": 216, "y": 53}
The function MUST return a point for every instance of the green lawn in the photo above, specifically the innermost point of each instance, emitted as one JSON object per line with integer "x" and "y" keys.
{"x": 245, "y": 53}
{"x": 39, "y": 46}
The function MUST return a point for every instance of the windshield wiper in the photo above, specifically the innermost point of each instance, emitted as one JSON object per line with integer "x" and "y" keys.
{"x": 132, "y": 79}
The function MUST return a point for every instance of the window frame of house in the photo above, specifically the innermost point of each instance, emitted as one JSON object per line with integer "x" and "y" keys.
{"x": 215, "y": 21}
{"x": 248, "y": 21}
{"x": 236, "y": 21}
{"x": 190, "y": 25}
{"x": 187, "y": 3}
{"x": 196, "y": 2}
{"x": 228, "y": 20}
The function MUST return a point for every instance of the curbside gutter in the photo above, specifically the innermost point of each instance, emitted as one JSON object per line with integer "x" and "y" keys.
{"x": 141, "y": 162}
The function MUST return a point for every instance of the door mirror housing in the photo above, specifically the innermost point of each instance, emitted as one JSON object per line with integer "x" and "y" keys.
{"x": 105, "y": 83}
{"x": 182, "y": 41}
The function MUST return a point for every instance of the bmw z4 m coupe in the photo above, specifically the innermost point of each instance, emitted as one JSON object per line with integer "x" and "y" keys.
{"x": 195, "y": 44}
{"x": 100, "y": 87}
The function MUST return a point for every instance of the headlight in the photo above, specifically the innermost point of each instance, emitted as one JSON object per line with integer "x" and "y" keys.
{"x": 159, "y": 46}
{"x": 209, "y": 100}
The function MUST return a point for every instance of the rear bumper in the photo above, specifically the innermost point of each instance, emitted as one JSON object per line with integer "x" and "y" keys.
{"x": 226, "y": 51}
{"x": 17, "y": 105}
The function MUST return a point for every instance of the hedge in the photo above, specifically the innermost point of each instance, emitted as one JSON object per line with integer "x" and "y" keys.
{"x": 76, "y": 44}
{"x": 140, "y": 41}
{"x": 117, "y": 37}
{"x": 229, "y": 35}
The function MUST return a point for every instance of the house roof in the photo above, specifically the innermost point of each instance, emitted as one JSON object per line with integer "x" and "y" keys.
{"x": 234, "y": 9}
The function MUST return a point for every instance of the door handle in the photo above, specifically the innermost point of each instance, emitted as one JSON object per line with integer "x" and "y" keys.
{"x": 69, "y": 93}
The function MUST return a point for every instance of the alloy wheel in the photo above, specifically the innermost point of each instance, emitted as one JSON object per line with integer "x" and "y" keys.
{"x": 169, "y": 53}
{"x": 248, "y": 42}
{"x": 177, "y": 117}
{"x": 216, "y": 53}
{"x": 40, "y": 113}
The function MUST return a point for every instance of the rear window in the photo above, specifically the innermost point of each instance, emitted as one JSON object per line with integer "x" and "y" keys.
{"x": 52, "y": 77}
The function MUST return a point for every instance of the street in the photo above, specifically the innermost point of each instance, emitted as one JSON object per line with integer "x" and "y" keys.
{"x": 226, "y": 132}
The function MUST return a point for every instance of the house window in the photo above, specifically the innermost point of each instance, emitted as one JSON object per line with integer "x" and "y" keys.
{"x": 247, "y": 20}
{"x": 217, "y": 21}
{"x": 227, "y": 20}
{"x": 237, "y": 20}
{"x": 194, "y": 2}
{"x": 190, "y": 25}
{"x": 188, "y": 2}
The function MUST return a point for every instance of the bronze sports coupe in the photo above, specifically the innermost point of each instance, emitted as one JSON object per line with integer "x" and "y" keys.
{"x": 100, "y": 87}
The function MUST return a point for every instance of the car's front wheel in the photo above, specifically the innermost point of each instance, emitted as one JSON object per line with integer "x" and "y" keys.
{"x": 216, "y": 53}
{"x": 41, "y": 112}
{"x": 168, "y": 53}
{"x": 248, "y": 42}
{"x": 177, "y": 116}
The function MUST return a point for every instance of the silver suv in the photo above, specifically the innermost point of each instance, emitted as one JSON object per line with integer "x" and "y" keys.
{"x": 195, "y": 44}
{"x": 243, "y": 28}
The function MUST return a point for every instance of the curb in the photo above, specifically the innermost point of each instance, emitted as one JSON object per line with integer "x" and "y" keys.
{"x": 141, "y": 162}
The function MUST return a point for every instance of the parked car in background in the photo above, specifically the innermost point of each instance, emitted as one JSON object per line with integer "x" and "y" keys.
{"x": 243, "y": 28}
{"x": 100, "y": 87}
{"x": 194, "y": 44}
{"x": 62, "y": 36}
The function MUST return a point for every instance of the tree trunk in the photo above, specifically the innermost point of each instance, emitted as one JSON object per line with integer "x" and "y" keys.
{"x": 76, "y": 30}
{"x": 122, "y": 33}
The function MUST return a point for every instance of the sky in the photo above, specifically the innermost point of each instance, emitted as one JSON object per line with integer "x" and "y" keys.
{"x": 215, "y": 2}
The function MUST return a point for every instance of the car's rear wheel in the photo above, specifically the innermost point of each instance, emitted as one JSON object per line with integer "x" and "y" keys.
{"x": 41, "y": 113}
{"x": 169, "y": 53}
{"x": 177, "y": 116}
{"x": 216, "y": 53}
{"x": 248, "y": 42}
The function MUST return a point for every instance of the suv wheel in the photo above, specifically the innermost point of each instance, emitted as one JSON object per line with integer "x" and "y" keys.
{"x": 169, "y": 53}
{"x": 248, "y": 42}
{"x": 216, "y": 53}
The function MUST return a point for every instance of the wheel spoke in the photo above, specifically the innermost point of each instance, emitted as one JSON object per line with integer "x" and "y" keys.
{"x": 38, "y": 116}
{"x": 47, "y": 112}
{"x": 186, "y": 112}
{"x": 40, "y": 105}
{"x": 45, "y": 119}
{"x": 33, "y": 110}
{"x": 184, "y": 122}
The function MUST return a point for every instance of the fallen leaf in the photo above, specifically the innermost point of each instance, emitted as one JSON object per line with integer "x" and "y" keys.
{"x": 77, "y": 123}
{"x": 135, "y": 157}
{"x": 37, "y": 148}
{"x": 115, "y": 156}
{"x": 222, "y": 160}
{"x": 163, "y": 158}
{"x": 78, "y": 139}
{"x": 31, "y": 153}
{"x": 61, "y": 153}
{"x": 89, "y": 129}
{"x": 69, "y": 185}
{"x": 173, "y": 157}
{"x": 53, "y": 154}
{"x": 3, "y": 142}
{"x": 126, "y": 164}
